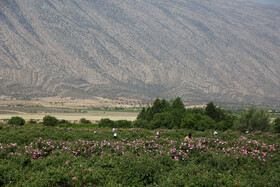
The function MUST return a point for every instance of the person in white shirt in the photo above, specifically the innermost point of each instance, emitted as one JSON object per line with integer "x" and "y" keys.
{"x": 215, "y": 133}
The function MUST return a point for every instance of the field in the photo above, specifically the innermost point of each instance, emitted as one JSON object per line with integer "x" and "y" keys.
{"x": 56, "y": 156}
{"x": 90, "y": 115}
{"x": 70, "y": 109}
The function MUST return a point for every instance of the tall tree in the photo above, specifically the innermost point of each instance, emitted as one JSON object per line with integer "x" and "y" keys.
{"x": 178, "y": 104}
{"x": 156, "y": 108}
{"x": 178, "y": 111}
{"x": 254, "y": 120}
{"x": 215, "y": 112}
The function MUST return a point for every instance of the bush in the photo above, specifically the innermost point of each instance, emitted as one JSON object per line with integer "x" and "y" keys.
{"x": 84, "y": 120}
{"x": 276, "y": 125}
{"x": 63, "y": 121}
{"x": 140, "y": 123}
{"x": 197, "y": 121}
{"x": 106, "y": 122}
{"x": 252, "y": 120}
{"x": 16, "y": 121}
{"x": 123, "y": 124}
{"x": 50, "y": 120}
{"x": 162, "y": 120}
{"x": 32, "y": 121}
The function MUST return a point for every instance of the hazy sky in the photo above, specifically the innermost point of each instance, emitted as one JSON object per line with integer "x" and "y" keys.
{"x": 273, "y": 2}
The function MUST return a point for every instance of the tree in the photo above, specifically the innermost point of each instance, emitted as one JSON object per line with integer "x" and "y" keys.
{"x": 16, "y": 121}
{"x": 178, "y": 104}
{"x": 252, "y": 120}
{"x": 165, "y": 106}
{"x": 226, "y": 123}
{"x": 210, "y": 110}
{"x": 142, "y": 114}
{"x": 140, "y": 123}
{"x": 214, "y": 112}
{"x": 50, "y": 120}
{"x": 106, "y": 122}
{"x": 63, "y": 121}
{"x": 123, "y": 124}
{"x": 162, "y": 120}
{"x": 84, "y": 121}
{"x": 260, "y": 120}
{"x": 276, "y": 125}
{"x": 197, "y": 121}
{"x": 156, "y": 108}
{"x": 178, "y": 111}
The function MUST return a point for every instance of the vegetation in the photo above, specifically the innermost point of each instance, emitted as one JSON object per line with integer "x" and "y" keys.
{"x": 50, "y": 121}
{"x": 253, "y": 120}
{"x": 32, "y": 121}
{"x": 16, "y": 121}
{"x": 60, "y": 153}
{"x": 276, "y": 125}
{"x": 84, "y": 120}
{"x": 169, "y": 115}
{"x": 55, "y": 156}
{"x": 106, "y": 122}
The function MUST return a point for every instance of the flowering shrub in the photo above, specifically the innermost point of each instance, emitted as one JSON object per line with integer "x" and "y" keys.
{"x": 72, "y": 157}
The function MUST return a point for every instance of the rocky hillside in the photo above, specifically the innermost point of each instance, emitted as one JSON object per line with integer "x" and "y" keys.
{"x": 223, "y": 50}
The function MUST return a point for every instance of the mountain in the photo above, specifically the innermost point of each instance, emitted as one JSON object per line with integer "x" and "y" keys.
{"x": 224, "y": 50}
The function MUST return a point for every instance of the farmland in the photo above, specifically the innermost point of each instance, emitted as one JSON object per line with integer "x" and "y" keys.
{"x": 91, "y": 115}
{"x": 39, "y": 155}
{"x": 71, "y": 109}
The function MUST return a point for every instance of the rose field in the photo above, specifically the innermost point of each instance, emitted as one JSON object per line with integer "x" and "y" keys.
{"x": 55, "y": 156}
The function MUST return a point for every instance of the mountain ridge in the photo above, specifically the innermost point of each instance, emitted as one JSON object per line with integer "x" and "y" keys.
{"x": 225, "y": 51}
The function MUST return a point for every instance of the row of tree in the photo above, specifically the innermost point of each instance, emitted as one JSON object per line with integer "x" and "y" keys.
{"x": 173, "y": 114}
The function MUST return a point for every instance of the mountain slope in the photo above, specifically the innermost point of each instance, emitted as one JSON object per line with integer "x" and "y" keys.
{"x": 225, "y": 51}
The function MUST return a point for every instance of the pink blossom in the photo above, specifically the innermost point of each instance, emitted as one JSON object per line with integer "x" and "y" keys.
{"x": 74, "y": 178}
{"x": 89, "y": 170}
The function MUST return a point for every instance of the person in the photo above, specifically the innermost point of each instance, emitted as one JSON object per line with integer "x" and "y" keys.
{"x": 247, "y": 133}
{"x": 115, "y": 135}
{"x": 215, "y": 133}
{"x": 157, "y": 134}
{"x": 188, "y": 137}
{"x": 114, "y": 129}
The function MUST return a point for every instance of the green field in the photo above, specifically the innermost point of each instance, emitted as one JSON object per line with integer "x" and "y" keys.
{"x": 63, "y": 156}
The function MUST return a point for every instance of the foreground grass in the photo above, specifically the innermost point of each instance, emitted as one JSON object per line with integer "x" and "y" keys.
{"x": 63, "y": 156}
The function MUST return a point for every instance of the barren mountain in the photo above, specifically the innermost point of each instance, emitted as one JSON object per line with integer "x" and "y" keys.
{"x": 221, "y": 50}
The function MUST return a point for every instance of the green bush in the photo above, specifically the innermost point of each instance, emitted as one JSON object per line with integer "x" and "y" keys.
{"x": 197, "y": 121}
{"x": 253, "y": 120}
{"x": 50, "y": 120}
{"x": 162, "y": 120}
{"x": 32, "y": 121}
{"x": 16, "y": 121}
{"x": 276, "y": 125}
{"x": 140, "y": 123}
{"x": 63, "y": 121}
{"x": 123, "y": 124}
{"x": 84, "y": 121}
{"x": 106, "y": 122}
